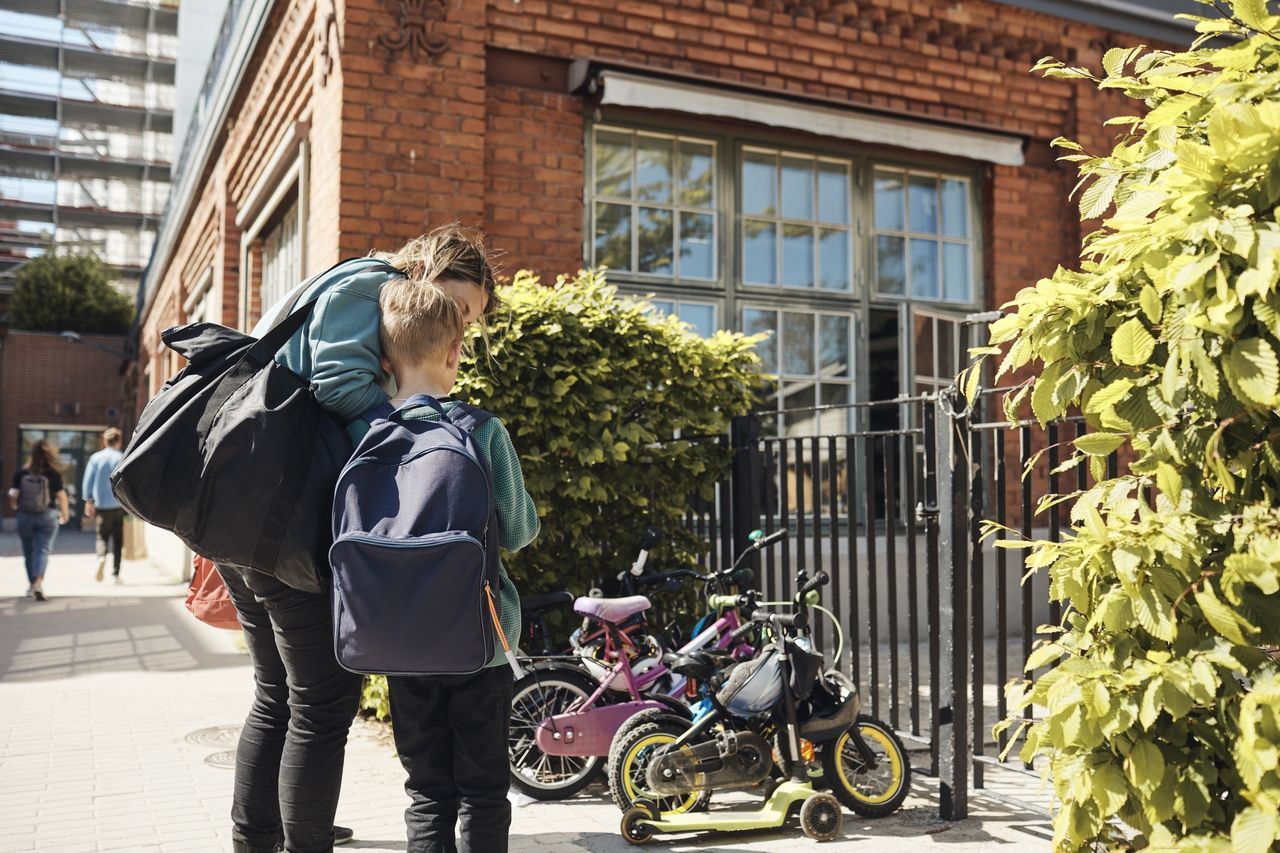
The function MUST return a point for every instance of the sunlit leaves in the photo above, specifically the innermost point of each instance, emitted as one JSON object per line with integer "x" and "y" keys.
{"x": 1156, "y": 712}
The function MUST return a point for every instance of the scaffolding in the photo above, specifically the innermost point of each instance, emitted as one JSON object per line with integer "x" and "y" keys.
{"x": 86, "y": 130}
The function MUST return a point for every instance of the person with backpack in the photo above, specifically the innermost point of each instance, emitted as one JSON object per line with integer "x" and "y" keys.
{"x": 38, "y": 495}
{"x": 290, "y": 753}
{"x": 101, "y": 505}
{"x": 406, "y": 531}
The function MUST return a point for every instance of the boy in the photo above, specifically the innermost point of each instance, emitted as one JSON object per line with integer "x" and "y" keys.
{"x": 451, "y": 731}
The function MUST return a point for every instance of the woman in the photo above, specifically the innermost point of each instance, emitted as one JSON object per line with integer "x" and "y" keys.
{"x": 290, "y": 755}
{"x": 38, "y": 495}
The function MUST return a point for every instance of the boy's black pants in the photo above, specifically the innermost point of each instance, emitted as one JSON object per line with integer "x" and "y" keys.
{"x": 451, "y": 733}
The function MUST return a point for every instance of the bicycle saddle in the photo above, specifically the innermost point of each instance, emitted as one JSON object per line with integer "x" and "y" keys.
{"x": 544, "y": 600}
{"x": 695, "y": 665}
{"x": 611, "y": 609}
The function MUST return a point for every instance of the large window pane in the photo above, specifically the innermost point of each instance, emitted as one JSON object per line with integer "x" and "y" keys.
{"x": 613, "y": 236}
{"x": 655, "y": 247}
{"x": 833, "y": 193}
{"x": 923, "y": 194}
{"x": 754, "y": 321}
{"x": 759, "y": 183}
{"x": 663, "y": 306}
{"x": 759, "y": 252}
{"x": 701, "y": 317}
{"x": 797, "y": 256}
{"x": 800, "y": 418}
{"x": 833, "y": 345}
{"x": 697, "y": 256}
{"x": 890, "y": 268}
{"x": 925, "y": 353}
{"x": 955, "y": 208}
{"x": 924, "y": 268}
{"x": 613, "y": 163}
{"x": 833, "y": 260}
{"x": 697, "y": 174}
{"x": 653, "y": 169}
{"x": 797, "y": 344}
{"x": 955, "y": 272}
{"x": 797, "y": 188}
{"x": 889, "y": 200}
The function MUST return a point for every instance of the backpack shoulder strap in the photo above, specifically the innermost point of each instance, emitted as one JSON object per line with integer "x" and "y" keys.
{"x": 467, "y": 417}
{"x": 380, "y": 412}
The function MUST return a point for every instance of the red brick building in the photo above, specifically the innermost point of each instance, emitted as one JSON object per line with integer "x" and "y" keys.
{"x": 64, "y": 389}
{"x": 854, "y": 175}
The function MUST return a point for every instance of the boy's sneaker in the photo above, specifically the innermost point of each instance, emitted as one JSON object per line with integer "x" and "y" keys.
{"x": 102, "y": 564}
{"x": 39, "y": 594}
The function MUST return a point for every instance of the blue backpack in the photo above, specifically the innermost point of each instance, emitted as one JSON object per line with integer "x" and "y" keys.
{"x": 415, "y": 550}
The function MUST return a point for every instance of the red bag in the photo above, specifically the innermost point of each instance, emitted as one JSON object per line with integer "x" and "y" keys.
{"x": 208, "y": 599}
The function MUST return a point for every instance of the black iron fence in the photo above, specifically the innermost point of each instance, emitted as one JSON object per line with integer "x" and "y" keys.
{"x": 935, "y": 619}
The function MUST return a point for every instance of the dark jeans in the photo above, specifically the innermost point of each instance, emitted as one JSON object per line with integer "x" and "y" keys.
{"x": 451, "y": 733}
{"x": 289, "y": 759}
{"x": 109, "y": 524}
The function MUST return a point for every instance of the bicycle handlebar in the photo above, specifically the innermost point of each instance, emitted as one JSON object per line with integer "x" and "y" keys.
{"x": 795, "y": 621}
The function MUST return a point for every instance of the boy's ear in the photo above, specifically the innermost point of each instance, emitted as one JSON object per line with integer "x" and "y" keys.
{"x": 386, "y": 366}
{"x": 455, "y": 354}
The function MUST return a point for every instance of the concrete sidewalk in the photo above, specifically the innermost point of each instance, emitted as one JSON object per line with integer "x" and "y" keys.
{"x": 119, "y": 712}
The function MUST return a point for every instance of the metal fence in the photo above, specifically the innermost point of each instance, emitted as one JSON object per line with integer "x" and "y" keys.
{"x": 935, "y": 618}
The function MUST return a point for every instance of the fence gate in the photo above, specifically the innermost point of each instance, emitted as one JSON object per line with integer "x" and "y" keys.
{"x": 934, "y": 620}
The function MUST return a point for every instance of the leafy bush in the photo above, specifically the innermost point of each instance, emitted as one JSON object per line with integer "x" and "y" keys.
{"x": 56, "y": 293}
{"x": 1163, "y": 713}
{"x": 592, "y": 388}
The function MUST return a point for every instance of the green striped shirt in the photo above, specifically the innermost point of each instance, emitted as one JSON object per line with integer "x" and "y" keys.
{"x": 517, "y": 516}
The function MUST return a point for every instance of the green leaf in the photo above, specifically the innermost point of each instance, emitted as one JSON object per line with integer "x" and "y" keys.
{"x": 1144, "y": 766}
{"x": 1218, "y": 614}
{"x": 1099, "y": 443}
{"x": 1252, "y": 12}
{"x": 1150, "y": 301}
{"x": 1110, "y": 395}
{"x": 1252, "y": 366}
{"x": 1097, "y": 198}
{"x": 1132, "y": 343}
{"x": 1254, "y": 830}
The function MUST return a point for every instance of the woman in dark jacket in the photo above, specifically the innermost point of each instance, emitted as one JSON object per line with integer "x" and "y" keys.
{"x": 38, "y": 495}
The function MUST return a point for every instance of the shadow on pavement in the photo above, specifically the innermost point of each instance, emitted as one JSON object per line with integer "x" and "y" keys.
{"x": 68, "y": 636}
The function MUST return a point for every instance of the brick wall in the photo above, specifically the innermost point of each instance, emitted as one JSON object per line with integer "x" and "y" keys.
{"x": 48, "y": 380}
{"x": 402, "y": 143}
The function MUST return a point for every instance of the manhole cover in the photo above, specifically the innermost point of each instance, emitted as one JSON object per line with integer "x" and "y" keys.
{"x": 221, "y": 759}
{"x": 214, "y": 736}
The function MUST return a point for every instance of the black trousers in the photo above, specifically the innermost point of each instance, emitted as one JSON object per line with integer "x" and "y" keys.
{"x": 109, "y": 525}
{"x": 290, "y": 755}
{"x": 451, "y": 733}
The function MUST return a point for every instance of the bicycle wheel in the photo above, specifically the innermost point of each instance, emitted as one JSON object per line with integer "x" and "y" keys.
{"x": 629, "y": 759}
{"x": 871, "y": 792}
{"x": 542, "y": 693}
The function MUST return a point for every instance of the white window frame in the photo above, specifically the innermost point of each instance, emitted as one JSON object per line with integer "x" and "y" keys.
{"x": 677, "y": 304}
{"x": 973, "y": 240}
{"x": 674, "y": 206}
{"x": 780, "y": 221}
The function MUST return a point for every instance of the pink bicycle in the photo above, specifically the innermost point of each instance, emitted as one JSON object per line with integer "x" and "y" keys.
{"x": 563, "y": 721}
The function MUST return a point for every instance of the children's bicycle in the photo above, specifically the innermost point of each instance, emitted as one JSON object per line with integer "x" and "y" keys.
{"x": 562, "y": 723}
{"x": 779, "y": 704}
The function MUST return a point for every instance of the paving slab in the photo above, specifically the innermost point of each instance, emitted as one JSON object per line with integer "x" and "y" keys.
{"x": 119, "y": 712}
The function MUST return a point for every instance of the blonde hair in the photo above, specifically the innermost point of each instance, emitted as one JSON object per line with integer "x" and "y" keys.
{"x": 111, "y": 436}
{"x": 418, "y": 321}
{"x": 447, "y": 252}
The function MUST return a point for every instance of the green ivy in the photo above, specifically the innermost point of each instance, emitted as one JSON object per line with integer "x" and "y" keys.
{"x": 1160, "y": 723}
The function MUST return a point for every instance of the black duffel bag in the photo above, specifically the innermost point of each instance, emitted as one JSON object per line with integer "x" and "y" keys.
{"x": 236, "y": 456}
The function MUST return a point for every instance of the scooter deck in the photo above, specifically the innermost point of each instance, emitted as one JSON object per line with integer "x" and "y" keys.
{"x": 772, "y": 814}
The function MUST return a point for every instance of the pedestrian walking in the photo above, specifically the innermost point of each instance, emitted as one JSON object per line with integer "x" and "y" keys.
{"x": 38, "y": 494}
{"x": 101, "y": 505}
{"x": 290, "y": 754}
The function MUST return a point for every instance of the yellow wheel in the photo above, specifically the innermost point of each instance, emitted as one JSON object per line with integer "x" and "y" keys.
{"x": 629, "y": 760}
{"x": 871, "y": 790}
